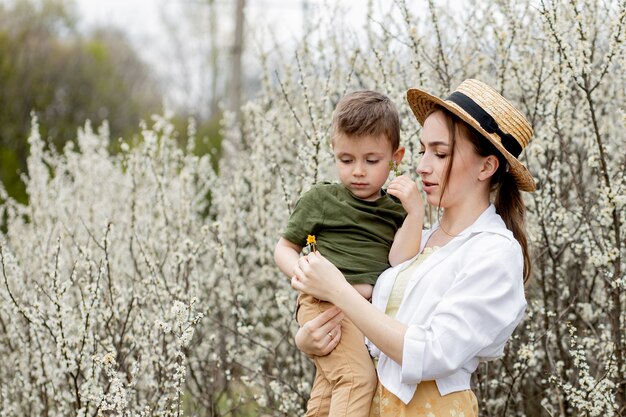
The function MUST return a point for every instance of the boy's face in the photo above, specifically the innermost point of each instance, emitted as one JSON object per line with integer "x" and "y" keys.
{"x": 363, "y": 163}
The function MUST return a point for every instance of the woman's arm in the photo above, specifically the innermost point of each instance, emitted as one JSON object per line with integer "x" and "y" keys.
{"x": 318, "y": 277}
{"x": 480, "y": 310}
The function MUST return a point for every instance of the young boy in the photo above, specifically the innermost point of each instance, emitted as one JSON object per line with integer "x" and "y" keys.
{"x": 361, "y": 230}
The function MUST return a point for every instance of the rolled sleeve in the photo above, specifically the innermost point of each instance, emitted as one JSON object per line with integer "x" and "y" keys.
{"x": 306, "y": 218}
{"x": 412, "y": 353}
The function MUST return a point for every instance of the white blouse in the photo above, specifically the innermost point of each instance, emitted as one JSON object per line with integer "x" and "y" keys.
{"x": 461, "y": 305}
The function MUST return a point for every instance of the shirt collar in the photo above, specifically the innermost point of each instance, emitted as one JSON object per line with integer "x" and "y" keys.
{"x": 488, "y": 221}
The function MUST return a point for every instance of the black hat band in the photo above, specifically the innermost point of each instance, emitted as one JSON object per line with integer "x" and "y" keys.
{"x": 485, "y": 120}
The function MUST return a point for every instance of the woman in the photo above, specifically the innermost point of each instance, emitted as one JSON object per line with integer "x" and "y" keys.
{"x": 434, "y": 318}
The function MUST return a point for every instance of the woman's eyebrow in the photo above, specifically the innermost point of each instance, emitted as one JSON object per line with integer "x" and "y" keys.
{"x": 435, "y": 143}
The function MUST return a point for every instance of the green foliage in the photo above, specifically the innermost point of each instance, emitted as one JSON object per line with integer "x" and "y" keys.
{"x": 47, "y": 67}
{"x": 8, "y": 167}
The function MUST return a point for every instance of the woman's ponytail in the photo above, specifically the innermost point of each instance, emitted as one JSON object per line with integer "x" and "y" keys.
{"x": 510, "y": 206}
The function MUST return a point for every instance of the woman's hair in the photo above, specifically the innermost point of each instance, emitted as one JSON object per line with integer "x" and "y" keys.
{"x": 508, "y": 198}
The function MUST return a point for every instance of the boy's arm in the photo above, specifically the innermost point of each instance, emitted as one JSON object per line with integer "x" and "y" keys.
{"x": 286, "y": 256}
{"x": 408, "y": 239}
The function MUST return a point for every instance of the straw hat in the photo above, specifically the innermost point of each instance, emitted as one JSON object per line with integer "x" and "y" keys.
{"x": 489, "y": 113}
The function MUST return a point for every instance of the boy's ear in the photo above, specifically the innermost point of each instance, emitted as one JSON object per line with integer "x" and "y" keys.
{"x": 490, "y": 166}
{"x": 398, "y": 155}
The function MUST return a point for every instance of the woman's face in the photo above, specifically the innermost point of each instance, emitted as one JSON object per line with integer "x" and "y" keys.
{"x": 436, "y": 148}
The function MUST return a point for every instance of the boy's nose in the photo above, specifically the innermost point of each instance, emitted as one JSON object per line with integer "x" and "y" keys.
{"x": 358, "y": 170}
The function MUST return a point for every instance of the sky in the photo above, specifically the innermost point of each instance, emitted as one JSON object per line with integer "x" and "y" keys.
{"x": 144, "y": 22}
{"x": 142, "y": 17}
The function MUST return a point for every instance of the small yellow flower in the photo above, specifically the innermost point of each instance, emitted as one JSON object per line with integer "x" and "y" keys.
{"x": 311, "y": 246}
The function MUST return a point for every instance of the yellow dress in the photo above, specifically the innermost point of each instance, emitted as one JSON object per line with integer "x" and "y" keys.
{"x": 426, "y": 401}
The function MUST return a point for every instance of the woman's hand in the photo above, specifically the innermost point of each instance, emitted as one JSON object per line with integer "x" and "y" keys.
{"x": 317, "y": 276}
{"x": 319, "y": 336}
{"x": 405, "y": 190}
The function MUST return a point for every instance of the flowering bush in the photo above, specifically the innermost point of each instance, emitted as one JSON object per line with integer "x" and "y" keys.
{"x": 120, "y": 297}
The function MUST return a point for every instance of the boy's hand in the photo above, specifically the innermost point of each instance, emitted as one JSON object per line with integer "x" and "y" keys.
{"x": 405, "y": 189}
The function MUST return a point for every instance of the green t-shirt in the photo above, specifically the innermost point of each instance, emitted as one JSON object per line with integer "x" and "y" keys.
{"x": 354, "y": 234}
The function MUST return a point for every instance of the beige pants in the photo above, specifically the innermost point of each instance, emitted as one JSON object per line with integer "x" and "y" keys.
{"x": 345, "y": 379}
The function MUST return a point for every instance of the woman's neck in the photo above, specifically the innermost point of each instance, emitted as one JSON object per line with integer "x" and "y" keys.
{"x": 457, "y": 218}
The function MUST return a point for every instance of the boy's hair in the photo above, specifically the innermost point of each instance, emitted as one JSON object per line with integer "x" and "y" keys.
{"x": 367, "y": 112}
